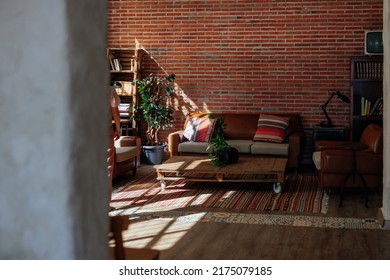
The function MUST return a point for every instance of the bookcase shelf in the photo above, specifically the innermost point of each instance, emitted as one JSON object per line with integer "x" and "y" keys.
{"x": 370, "y": 117}
{"x": 125, "y": 67}
{"x": 366, "y": 93}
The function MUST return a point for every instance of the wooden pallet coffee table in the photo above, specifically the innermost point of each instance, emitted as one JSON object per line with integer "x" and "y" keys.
{"x": 247, "y": 169}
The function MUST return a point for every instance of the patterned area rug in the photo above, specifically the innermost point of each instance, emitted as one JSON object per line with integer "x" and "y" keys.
{"x": 299, "y": 194}
{"x": 259, "y": 219}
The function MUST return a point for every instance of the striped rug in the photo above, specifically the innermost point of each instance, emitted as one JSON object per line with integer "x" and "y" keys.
{"x": 299, "y": 194}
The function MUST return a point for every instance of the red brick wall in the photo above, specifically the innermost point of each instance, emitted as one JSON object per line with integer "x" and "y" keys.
{"x": 248, "y": 56}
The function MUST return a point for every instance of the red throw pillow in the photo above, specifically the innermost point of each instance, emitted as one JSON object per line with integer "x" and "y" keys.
{"x": 271, "y": 128}
{"x": 199, "y": 129}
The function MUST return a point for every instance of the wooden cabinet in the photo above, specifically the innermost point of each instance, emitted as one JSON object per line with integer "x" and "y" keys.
{"x": 366, "y": 93}
{"x": 125, "y": 67}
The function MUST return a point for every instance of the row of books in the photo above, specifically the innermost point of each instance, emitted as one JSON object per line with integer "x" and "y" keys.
{"x": 368, "y": 108}
{"x": 124, "y": 110}
{"x": 117, "y": 65}
{"x": 369, "y": 70}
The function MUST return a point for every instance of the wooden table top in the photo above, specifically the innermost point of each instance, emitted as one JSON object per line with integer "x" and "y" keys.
{"x": 245, "y": 165}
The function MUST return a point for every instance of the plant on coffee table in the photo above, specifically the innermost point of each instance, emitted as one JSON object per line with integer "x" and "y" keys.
{"x": 222, "y": 153}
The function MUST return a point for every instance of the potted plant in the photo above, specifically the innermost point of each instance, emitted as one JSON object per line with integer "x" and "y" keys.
{"x": 154, "y": 106}
{"x": 222, "y": 153}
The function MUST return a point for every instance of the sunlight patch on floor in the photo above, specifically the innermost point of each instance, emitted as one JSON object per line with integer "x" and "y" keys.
{"x": 159, "y": 234}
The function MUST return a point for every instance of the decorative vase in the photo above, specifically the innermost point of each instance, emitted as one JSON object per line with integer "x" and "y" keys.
{"x": 232, "y": 155}
{"x": 227, "y": 156}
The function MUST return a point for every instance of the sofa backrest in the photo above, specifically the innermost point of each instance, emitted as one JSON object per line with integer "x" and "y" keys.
{"x": 240, "y": 126}
{"x": 243, "y": 126}
{"x": 372, "y": 136}
{"x": 295, "y": 124}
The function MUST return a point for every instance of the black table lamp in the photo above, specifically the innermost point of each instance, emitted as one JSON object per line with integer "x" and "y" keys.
{"x": 328, "y": 122}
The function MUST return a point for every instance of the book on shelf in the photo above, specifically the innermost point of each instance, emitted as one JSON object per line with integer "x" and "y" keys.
{"x": 111, "y": 59}
{"x": 369, "y": 70}
{"x": 124, "y": 110}
{"x": 363, "y": 106}
{"x": 377, "y": 108}
{"x": 115, "y": 63}
{"x": 368, "y": 108}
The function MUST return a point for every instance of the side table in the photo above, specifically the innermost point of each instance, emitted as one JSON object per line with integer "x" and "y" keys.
{"x": 335, "y": 133}
{"x": 355, "y": 146}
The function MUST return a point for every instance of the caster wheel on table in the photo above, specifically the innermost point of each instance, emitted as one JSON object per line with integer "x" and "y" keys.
{"x": 163, "y": 185}
{"x": 277, "y": 187}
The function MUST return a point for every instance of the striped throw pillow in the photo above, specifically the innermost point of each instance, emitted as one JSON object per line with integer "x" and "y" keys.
{"x": 199, "y": 129}
{"x": 271, "y": 129}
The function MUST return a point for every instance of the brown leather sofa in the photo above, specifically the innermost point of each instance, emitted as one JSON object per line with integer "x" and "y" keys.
{"x": 334, "y": 160}
{"x": 239, "y": 131}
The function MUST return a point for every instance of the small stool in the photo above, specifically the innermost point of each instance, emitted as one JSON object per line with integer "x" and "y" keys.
{"x": 355, "y": 147}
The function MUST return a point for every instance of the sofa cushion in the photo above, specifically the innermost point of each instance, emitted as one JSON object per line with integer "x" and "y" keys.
{"x": 265, "y": 148}
{"x": 317, "y": 159}
{"x": 243, "y": 146}
{"x": 194, "y": 147}
{"x": 126, "y": 141}
{"x": 271, "y": 128}
{"x": 125, "y": 153}
{"x": 372, "y": 136}
{"x": 199, "y": 129}
{"x": 195, "y": 115}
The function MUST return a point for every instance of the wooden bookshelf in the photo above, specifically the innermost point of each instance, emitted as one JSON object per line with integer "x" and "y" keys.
{"x": 366, "y": 93}
{"x": 125, "y": 67}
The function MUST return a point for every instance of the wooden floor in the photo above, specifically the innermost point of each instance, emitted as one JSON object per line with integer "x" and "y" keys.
{"x": 204, "y": 240}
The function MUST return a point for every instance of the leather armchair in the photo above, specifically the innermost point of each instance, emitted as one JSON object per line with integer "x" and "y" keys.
{"x": 127, "y": 155}
{"x": 334, "y": 161}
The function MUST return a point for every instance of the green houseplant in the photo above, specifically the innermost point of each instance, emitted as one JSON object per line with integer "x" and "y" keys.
{"x": 154, "y": 106}
{"x": 221, "y": 153}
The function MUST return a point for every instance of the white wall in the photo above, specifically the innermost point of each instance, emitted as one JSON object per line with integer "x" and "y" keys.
{"x": 53, "y": 86}
{"x": 386, "y": 122}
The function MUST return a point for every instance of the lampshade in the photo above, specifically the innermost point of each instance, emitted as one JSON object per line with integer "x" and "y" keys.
{"x": 342, "y": 97}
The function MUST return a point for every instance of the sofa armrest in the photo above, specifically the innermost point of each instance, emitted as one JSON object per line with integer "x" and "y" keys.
{"x": 322, "y": 145}
{"x": 130, "y": 141}
{"x": 340, "y": 162}
{"x": 174, "y": 139}
{"x": 295, "y": 143}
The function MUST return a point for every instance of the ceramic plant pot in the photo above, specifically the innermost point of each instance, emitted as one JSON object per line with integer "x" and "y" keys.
{"x": 153, "y": 155}
{"x": 228, "y": 156}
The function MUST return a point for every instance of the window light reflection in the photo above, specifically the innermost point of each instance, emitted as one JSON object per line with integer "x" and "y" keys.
{"x": 160, "y": 233}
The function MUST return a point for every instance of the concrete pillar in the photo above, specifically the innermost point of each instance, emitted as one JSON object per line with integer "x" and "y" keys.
{"x": 386, "y": 123}
{"x": 53, "y": 137}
